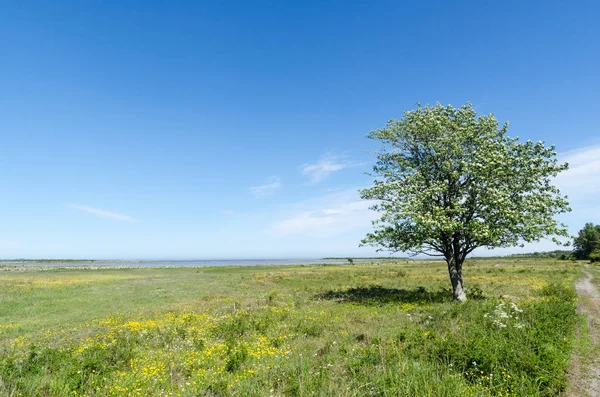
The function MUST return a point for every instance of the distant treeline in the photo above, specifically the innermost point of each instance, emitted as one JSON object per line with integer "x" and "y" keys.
{"x": 47, "y": 260}
{"x": 337, "y": 258}
{"x": 40, "y": 261}
{"x": 556, "y": 254}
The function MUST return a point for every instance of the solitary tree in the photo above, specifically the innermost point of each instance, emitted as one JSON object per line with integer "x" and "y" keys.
{"x": 587, "y": 241}
{"x": 448, "y": 181}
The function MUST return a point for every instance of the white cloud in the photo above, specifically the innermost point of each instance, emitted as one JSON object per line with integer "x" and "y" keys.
{"x": 327, "y": 164}
{"x": 326, "y": 216}
{"x": 103, "y": 213}
{"x": 5, "y": 244}
{"x": 228, "y": 212}
{"x": 301, "y": 223}
{"x": 326, "y": 219}
{"x": 268, "y": 188}
{"x": 581, "y": 183}
{"x": 53, "y": 246}
{"x": 582, "y": 180}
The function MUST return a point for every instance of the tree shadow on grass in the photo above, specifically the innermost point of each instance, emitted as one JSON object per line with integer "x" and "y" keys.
{"x": 377, "y": 295}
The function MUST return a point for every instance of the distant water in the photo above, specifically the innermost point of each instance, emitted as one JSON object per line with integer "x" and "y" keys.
{"x": 171, "y": 263}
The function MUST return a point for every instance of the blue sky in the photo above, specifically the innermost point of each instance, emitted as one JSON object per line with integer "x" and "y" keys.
{"x": 237, "y": 130}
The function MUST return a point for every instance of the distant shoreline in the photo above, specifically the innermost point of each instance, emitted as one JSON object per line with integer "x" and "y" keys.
{"x": 247, "y": 262}
{"x": 163, "y": 263}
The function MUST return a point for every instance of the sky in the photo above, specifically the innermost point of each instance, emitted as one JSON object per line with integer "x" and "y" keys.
{"x": 211, "y": 130}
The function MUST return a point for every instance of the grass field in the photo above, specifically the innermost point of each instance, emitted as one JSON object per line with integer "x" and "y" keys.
{"x": 361, "y": 330}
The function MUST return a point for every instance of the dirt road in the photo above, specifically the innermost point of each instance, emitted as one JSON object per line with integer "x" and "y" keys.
{"x": 585, "y": 372}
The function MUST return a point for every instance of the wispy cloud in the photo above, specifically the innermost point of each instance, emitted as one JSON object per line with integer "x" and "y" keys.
{"x": 327, "y": 164}
{"x": 272, "y": 184}
{"x": 5, "y": 244}
{"x": 329, "y": 215}
{"x": 103, "y": 213}
{"x": 53, "y": 246}
{"x": 301, "y": 223}
{"x": 582, "y": 180}
{"x": 340, "y": 217}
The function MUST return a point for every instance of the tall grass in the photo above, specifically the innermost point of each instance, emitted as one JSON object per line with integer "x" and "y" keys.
{"x": 327, "y": 331}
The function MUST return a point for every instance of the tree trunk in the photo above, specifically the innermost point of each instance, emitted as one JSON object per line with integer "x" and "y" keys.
{"x": 455, "y": 271}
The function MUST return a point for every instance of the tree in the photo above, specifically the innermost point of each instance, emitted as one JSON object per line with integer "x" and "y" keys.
{"x": 587, "y": 241}
{"x": 448, "y": 181}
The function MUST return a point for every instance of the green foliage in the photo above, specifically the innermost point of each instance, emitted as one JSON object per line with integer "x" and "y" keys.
{"x": 237, "y": 354}
{"x": 445, "y": 173}
{"x": 529, "y": 341}
{"x": 448, "y": 181}
{"x": 595, "y": 256}
{"x": 587, "y": 241}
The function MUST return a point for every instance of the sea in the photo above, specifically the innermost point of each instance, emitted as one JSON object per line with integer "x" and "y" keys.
{"x": 172, "y": 263}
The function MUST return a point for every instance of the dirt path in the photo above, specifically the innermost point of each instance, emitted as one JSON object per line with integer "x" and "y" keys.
{"x": 585, "y": 371}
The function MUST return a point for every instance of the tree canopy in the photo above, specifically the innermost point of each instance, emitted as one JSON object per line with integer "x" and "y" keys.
{"x": 448, "y": 181}
{"x": 587, "y": 242}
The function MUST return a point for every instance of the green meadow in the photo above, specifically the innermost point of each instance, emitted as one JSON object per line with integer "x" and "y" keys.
{"x": 388, "y": 329}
